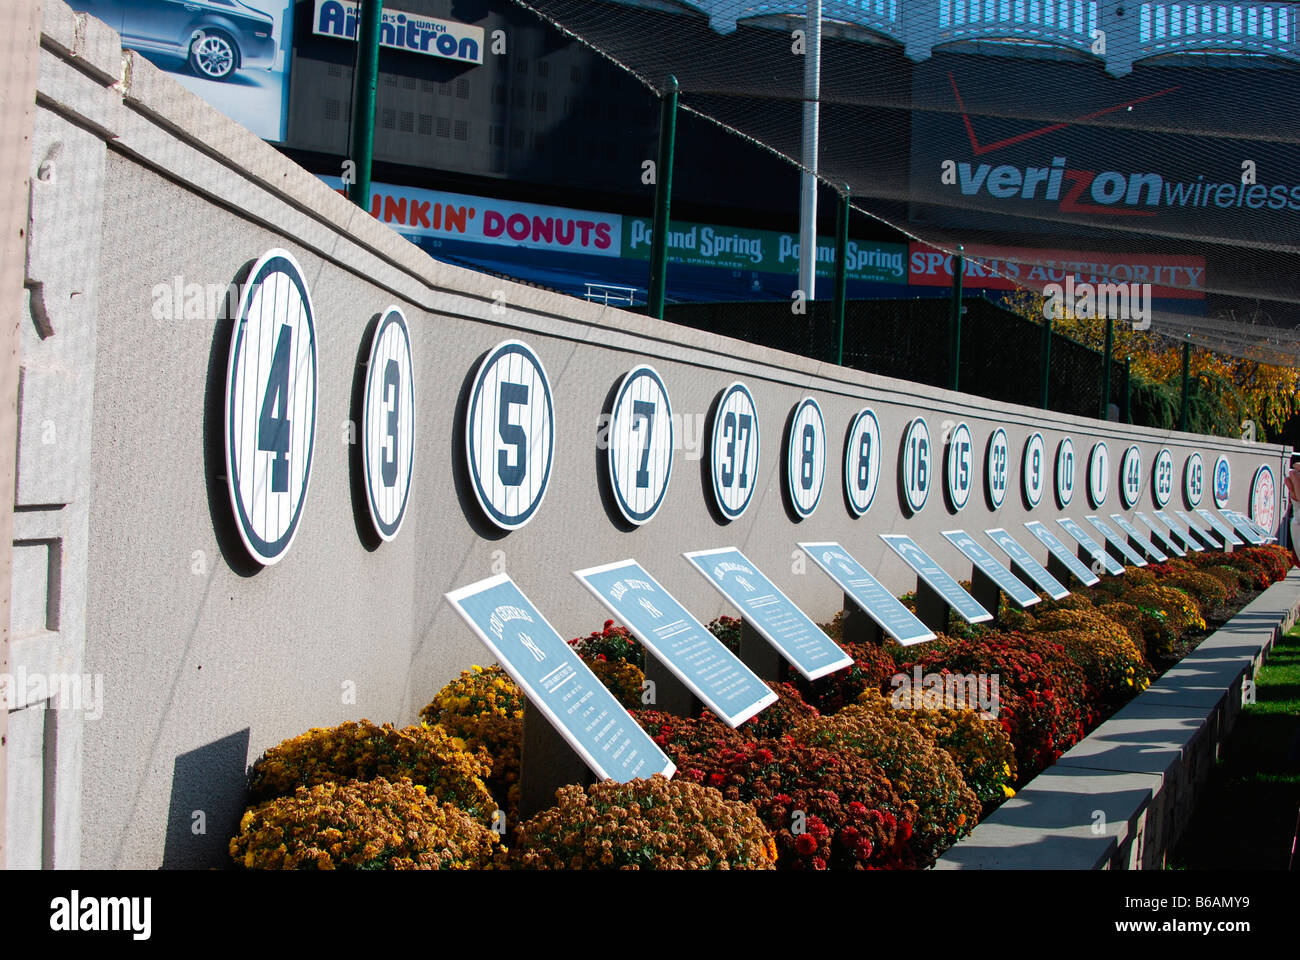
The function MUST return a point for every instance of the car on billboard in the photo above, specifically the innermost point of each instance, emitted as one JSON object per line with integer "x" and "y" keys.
{"x": 216, "y": 37}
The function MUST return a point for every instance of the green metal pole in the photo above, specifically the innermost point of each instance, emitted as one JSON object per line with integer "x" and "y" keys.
{"x": 1045, "y": 363}
{"x": 954, "y": 319}
{"x": 1187, "y": 363}
{"x": 1105, "y": 367}
{"x": 663, "y": 199}
{"x": 363, "y": 100}
{"x": 1127, "y": 412}
{"x": 841, "y": 269}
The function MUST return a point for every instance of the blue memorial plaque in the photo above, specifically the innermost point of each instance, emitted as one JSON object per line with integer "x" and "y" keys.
{"x": 1029, "y": 566}
{"x": 1200, "y": 531}
{"x": 1219, "y": 527}
{"x": 1094, "y": 549}
{"x": 1141, "y": 539}
{"x": 774, "y": 615}
{"x": 988, "y": 565}
{"x": 1167, "y": 541}
{"x": 1115, "y": 540}
{"x": 936, "y": 578}
{"x": 680, "y": 642}
{"x": 1243, "y": 526}
{"x": 1064, "y": 555}
{"x": 1183, "y": 534}
{"x": 557, "y": 682}
{"x": 868, "y": 593}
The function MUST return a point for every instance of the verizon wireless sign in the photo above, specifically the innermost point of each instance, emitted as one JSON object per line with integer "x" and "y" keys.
{"x": 399, "y": 30}
{"x": 414, "y": 212}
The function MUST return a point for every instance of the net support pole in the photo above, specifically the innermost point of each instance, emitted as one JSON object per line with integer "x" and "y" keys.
{"x": 1105, "y": 368}
{"x": 812, "y": 69}
{"x": 841, "y": 271}
{"x": 1045, "y": 363}
{"x": 1187, "y": 363}
{"x": 1127, "y": 413}
{"x": 954, "y": 319}
{"x": 663, "y": 199}
{"x": 363, "y": 100}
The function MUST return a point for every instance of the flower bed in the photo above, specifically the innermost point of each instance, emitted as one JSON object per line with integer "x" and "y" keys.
{"x": 845, "y": 772}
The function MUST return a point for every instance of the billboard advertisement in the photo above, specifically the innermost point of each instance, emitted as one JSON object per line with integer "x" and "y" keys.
{"x": 232, "y": 53}
{"x": 400, "y": 30}
{"x": 763, "y": 251}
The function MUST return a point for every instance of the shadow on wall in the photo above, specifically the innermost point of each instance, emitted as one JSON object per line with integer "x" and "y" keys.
{"x": 209, "y": 790}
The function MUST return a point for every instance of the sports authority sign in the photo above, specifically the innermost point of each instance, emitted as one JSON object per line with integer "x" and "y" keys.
{"x": 399, "y": 30}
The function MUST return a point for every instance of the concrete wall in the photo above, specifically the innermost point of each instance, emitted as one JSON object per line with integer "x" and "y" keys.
{"x": 206, "y": 658}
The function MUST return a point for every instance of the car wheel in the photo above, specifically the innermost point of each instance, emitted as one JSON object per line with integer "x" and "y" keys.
{"x": 213, "y": 56}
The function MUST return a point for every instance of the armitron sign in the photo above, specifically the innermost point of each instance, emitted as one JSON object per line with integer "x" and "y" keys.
{"x": 403, "y": 31}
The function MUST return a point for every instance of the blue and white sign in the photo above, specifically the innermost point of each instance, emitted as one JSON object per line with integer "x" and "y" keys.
{"x": 557, "y": 682}
{"x": 270, "y": 410}
{"x": 1097, "y": 554}
{"x": 1033, "y": 470}
{"x": 997, "y": 468}
{"x": 937, "y": 578}
{"x": 1219, "y": 527}
{"x": 640, "y": 444}
{"x": 1063, "y": 554}
{"x": 769, "y": 611}
{"x": 1028, "y": 566}
{"x": 1162, "y": 478}
{"x": 735, "y": 451}
{"x": 1064, "y": 472}
{"x": 1200, "y": 531}
{"x": 1142, "y": 540}
{"x": 1098, "y": 474}
{"x": 1222, "y": 481}
{"x": 1243, "y": 526}
{"x": 414, "y": 33}
{"x": 868, "y": 593}
{"x": 916, "y": 465}
{"x": 1163, "y": 538}
{"x": 1189, "y": 541}
{"x": 510, "y": 434}
{"x": 862, "y": 462}
{"x": 1115, "y": 540}
{"x": 680, "y": 642}
{"x": 960, "y": 456}
{"x": 1193, "y": 480}
{"x": 1130, "y": 476}
{"x": 988, "y": 565}
{"x": 805, "y": 457}
{"x": 388, "y": 435}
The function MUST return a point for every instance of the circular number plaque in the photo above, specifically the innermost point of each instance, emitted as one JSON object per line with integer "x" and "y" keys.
{"x": 1263, "y": 498}
{"x": 961, "y": 475}
{"x": 1064, "y": 472}
{"x": 1162, "y": 478}
{"x": 1194, "y": 480}
{"x": 997, "y": 468}
{"x": 1098, "y": 474}
{"x": 916, "y": 464}
{"x": 270, "y": 413}
{"x": 805, "y": 457}
{"x": 862, "y": 461}
{"x": 1130, "y": 476}
{"x": 388, "y": 437}
{"x": 735, "y": 450}
{"x": 1033, "y": 469}
{"x": 640, "y": 444}
{"x": 510, "y": 434}
{"x": 1222, "y": 481}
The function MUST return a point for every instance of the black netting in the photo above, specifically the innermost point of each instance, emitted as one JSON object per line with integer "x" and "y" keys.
{"x": 1129, "y": 142}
